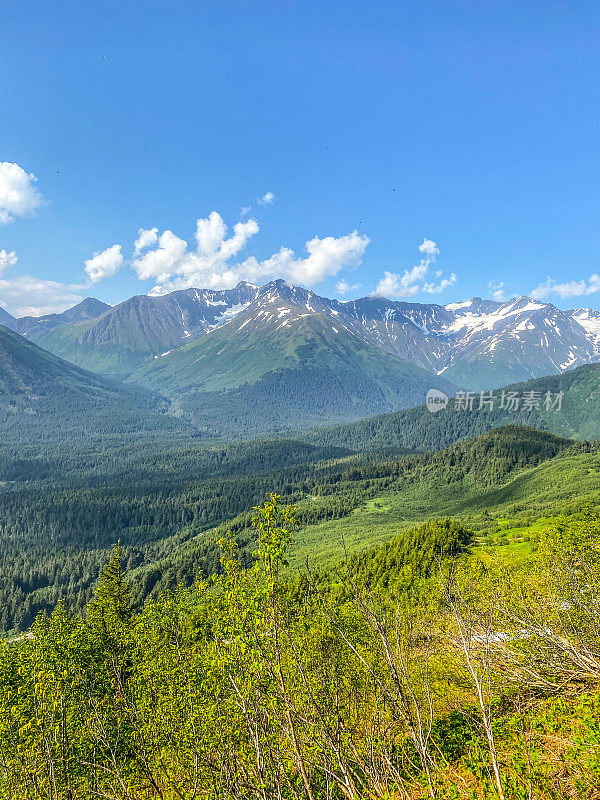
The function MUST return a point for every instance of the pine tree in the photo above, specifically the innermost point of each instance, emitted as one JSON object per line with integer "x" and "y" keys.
{"x": 112, "y": 602}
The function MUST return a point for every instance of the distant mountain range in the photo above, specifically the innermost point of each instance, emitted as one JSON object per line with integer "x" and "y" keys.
{"x": 477, "y": 344}
{"x": 43, "y": 397}
{"x": 90, "y": 308}
{"x": 285, "y": 362}
{"x": 279, "y": 357}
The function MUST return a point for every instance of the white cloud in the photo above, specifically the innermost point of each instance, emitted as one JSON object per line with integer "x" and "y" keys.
{"x": 18, "y": 194}
{"x": 26, "y": 296}
{"x": 161, "y": 262}
{"x": 414, "y": 280}
{"x": 496, "y": 290}
{"x": 585, "y": 286}
{"x": 436, "y": 288}
{"x": 343, "y": 287}
{"x": 105, "y": 264}
{"x": 406, "y": 285}
{"x": 212, "y": 264}
{"x": 267, "y": 199}
{"x": 212, "y": 241}
{"x": 7, "y": 260}
{"x": 145, "y": 239}
{"x": 429, "y": 248}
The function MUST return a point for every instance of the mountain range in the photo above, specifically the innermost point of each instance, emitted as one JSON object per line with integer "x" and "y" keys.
{"x": 478, "y": 344}
{"x": 90, "y": 308}
{"x": 280, "y": 357}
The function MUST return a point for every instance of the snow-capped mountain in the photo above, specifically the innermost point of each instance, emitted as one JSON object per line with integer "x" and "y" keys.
{"x": 477, "y": 344}
{"x": 492, "y": 343}
{"x": 121, "y": 338}
{"x": 589, "y": 319}
{"x": 289, "y": 360}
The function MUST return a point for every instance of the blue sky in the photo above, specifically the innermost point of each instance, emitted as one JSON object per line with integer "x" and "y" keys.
{"x": 471, "y": 125}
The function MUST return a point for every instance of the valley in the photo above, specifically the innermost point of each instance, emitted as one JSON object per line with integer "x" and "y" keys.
{"x": 241, "y": 482}
{"x": 299, "y": 400}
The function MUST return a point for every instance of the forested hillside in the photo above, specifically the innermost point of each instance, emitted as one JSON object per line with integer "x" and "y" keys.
{"x": 516, "y": 472}
{"x": 169, "y": 516}
{"x": 45, "y": 398}
{"x": 419, "y": 429}
{"x": 86, "y": 461}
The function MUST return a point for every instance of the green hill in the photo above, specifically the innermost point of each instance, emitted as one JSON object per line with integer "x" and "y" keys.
{"x": 43, "y": 397}
{"x": 358, "y": 503}
{"x": 418, "y": 429}
{"x": 252, "y": 377}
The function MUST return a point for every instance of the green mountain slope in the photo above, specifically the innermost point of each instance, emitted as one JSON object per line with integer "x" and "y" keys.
{"x": 120, "y": 339}
{"x": 359, "y": 503}
{"x": 277, "y": 368}
{"x": 418, "y": 429}
{"x": 44, "y": 397}
{"x": 76, "y": 342}
{"x": 517, "y": 499}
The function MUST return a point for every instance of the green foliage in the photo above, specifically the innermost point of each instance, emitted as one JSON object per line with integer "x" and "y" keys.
{"x": 111, "y": 603}
{"x": 240, "y": 688}
{"x": 164, "y": 505}
{"x": 397, "y": 565}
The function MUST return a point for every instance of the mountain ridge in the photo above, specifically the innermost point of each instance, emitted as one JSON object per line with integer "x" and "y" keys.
{"x": 89, "y": 308}
{"x": 475, "y": 343}
{"x": 283, "y": 361}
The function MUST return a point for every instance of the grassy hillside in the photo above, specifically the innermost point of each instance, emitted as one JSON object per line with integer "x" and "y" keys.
{"x": 497, "y": 511}
{"x": 238, "y": 381}
{"x": 352, "y": 504}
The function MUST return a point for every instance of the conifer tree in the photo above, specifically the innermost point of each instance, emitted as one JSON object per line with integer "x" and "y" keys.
{"x": 112, "y": 602}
